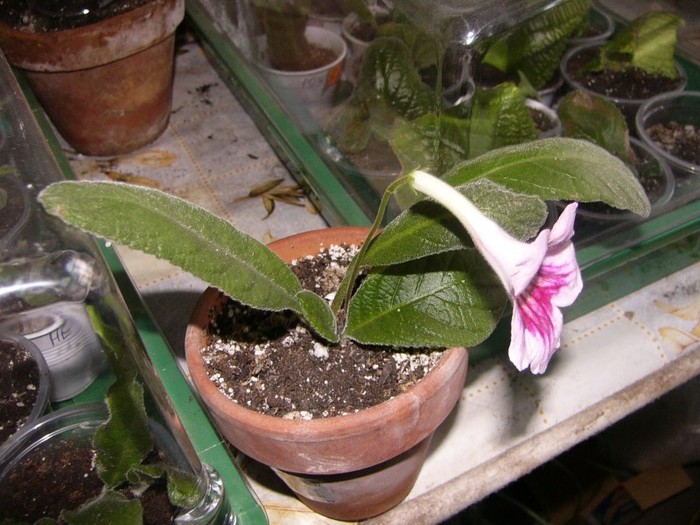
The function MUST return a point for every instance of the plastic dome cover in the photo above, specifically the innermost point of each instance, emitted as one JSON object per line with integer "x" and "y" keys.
{"x": 467, "y": 21}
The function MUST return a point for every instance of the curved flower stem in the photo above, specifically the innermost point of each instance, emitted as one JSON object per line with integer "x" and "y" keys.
{"x": 342, "y": 296}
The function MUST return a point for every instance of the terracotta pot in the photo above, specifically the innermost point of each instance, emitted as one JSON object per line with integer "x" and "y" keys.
{"x": 107, "y": 86}
{"x": 348, "y": 467}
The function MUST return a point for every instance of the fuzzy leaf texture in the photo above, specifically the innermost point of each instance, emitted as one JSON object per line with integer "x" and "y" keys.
{"x": 648, "y": 43}
{"x": 434, "y": 230}
{"x": 183, "y": 489}
{"x": 187, "y": 236}
{"x": 109, "y": 508}
{"x": 550, "y": 169}
{"x": 125, "y": 440}
{"x": 452, "y": 299}
{"x": 536, "y": 45}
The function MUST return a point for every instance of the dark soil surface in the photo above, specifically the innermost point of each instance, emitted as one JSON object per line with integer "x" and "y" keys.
{"x": 52, "y": 15}
{"x": 680, "y": 141}
{"x": 542, "y": 121}
{"x": 270, "y": 363}
{"x": 65, "y": 478}
{"x": 631, "y": 83}
{"x": 19, "y": 387}
{"x": 316, "y": 57}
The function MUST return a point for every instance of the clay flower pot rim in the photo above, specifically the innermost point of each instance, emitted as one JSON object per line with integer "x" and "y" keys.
{"x": 119, "y": 36}
{"x": 336, "y": 427}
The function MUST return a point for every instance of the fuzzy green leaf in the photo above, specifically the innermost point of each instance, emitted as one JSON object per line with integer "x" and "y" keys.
{"x": 648, "y": 43}
{"x": 548, "y": 169}
{"x": 558, "y": 169}
{"x": 185, "y": 235}
{"x": 452, "y": 299}
{"x": 434, "y": 230}
{"x": 314, "y": 307}
{"x": 183, "y": 489}
{"x": 125, "y": 440}
{"x": 109, "y": 508}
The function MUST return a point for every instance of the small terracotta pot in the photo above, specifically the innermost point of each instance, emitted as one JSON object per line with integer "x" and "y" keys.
{"x": 347, "y": 467}
{"x": 106, "y": 86}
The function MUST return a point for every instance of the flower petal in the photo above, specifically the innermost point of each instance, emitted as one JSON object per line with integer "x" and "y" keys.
{"x": 540, "y": 276}
{"x": 536, "y": 329}
{"x": 537, "y": 320}
{"x": 515, "y": 262}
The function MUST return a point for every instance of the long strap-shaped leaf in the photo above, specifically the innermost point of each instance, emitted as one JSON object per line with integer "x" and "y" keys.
{"x": 190, "y": 237}
{"x": 548, "y": 169}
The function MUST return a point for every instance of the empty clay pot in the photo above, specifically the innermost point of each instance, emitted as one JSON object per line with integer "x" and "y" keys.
{"x": 106, "y": 86}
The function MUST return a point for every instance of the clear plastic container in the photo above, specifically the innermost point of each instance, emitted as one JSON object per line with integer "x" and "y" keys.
{"x": 628, "y": 106}
{"x": 66, "y": 339}
{"x": 682, "y": 108}
{"x": 42, "y": 389}
{"x": 73, "y": 428}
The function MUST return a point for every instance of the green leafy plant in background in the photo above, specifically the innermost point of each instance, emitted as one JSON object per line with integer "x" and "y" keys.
{"x": 124, "y": 447}
{"x": 392, "y": 105}
{"x": 647, "y": 43}
{"x": 533, "y": 49}
{"x": 422, "y": 271}
{"x": 593, "y": 118}
{"x": 495, "y": 117}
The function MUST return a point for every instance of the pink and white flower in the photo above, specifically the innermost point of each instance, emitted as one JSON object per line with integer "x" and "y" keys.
{"x": 540, "y": 277}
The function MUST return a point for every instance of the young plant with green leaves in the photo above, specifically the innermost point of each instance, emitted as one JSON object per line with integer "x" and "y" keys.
{"x": 392, "y": 105}
{"x": 432, "y": 278}
{"x": 532, "y": 50}
{"x": 591, "y": 117}
{"x": 648, "y": 43}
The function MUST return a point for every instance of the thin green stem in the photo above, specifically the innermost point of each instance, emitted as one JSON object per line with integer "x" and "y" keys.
{"x": 342, "y": 297}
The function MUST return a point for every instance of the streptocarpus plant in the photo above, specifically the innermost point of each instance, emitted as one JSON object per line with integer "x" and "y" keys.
{"x": 441, "y": 274}
{"x": 647, "y": 43}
